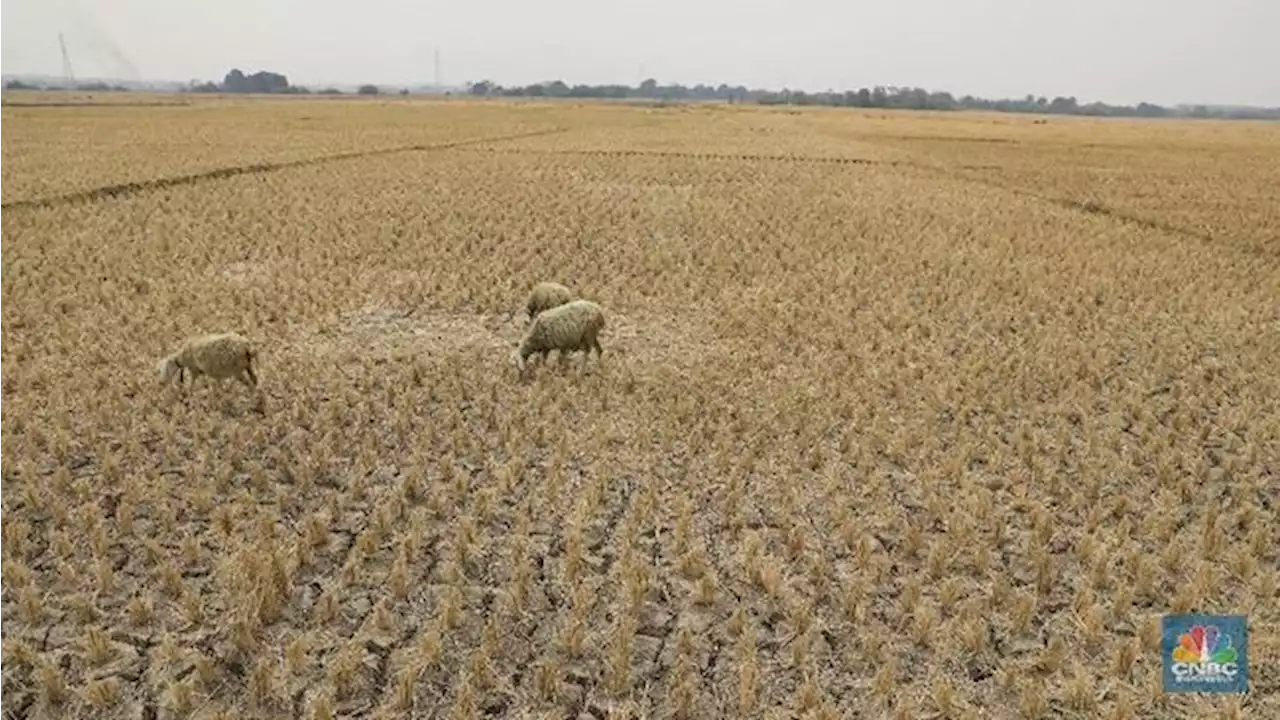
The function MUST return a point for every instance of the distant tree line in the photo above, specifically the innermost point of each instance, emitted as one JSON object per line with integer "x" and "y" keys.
{"x": 92, "y": 86}
{"x": 887, "y": 97}
{"x": 264, "y": 82}
{"x": 261, "y": 83}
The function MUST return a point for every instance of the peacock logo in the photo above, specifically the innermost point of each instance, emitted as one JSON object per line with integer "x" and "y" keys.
{"x": 1205, "y": 655}
{"x": 1204, "y": 645}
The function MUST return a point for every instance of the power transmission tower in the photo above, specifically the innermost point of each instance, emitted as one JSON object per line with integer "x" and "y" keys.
{"x": 437, "y": 68}
{"x": 67, "y": 72}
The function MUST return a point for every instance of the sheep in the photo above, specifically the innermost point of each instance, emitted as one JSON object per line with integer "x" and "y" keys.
{"x": 219, "y": 356}
{"x": 576, "y": 325}
{"x": 546, "y": 295}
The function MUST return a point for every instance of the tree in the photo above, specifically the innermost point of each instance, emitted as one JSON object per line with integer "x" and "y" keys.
{"x": 484, "y": 87}
{"x": 1148, "y": 110}
{"x": 942, "y": 101}
{"x": 367, "y": 90}
{"x": 648, "y": 88}
{"x": 259, "y": 82}
{"x": 1063, "y": 106}
{"x": 235, "y": 81}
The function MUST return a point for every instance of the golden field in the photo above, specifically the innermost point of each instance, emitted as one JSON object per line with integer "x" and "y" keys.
{"x": 899, "y": 415}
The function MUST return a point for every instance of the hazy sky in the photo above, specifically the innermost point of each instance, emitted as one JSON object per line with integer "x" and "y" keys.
{"x": 1166, "y": 51}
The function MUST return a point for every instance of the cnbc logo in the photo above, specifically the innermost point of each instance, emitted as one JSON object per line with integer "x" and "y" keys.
{"x": 1205, "y": 653}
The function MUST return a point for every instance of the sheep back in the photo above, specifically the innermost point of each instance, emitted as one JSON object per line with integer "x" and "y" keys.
{"x": 547, "y": 295}
{"x": 220, "y": 355}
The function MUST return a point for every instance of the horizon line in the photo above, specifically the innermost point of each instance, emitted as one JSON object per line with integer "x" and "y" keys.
{"x": 310, "y": 84}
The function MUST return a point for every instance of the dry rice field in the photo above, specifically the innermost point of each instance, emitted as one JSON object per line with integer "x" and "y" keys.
{"x": 900, "y": 415}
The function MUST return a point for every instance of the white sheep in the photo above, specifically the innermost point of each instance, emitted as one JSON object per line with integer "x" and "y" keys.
{"x": 576, "y": 325}
{"x": 547, "y": 295}
{"x": 219, "y": 356}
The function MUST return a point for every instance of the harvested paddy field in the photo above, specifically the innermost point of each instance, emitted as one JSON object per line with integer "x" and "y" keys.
{"x": 899, "y": 415}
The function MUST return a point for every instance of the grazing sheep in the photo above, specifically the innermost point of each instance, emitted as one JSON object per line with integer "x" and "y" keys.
{"x": 576, "y": 325}
{"x": 547, "y": 295}
{"x": 219, "y": 356}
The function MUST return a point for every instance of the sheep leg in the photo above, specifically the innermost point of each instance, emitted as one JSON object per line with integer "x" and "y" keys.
{"x": 530, "y": 366}
{"x": 541, "y": 356}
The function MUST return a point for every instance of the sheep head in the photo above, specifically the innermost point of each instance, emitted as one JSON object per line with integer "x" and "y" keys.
{"x": 167, "y": 368}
